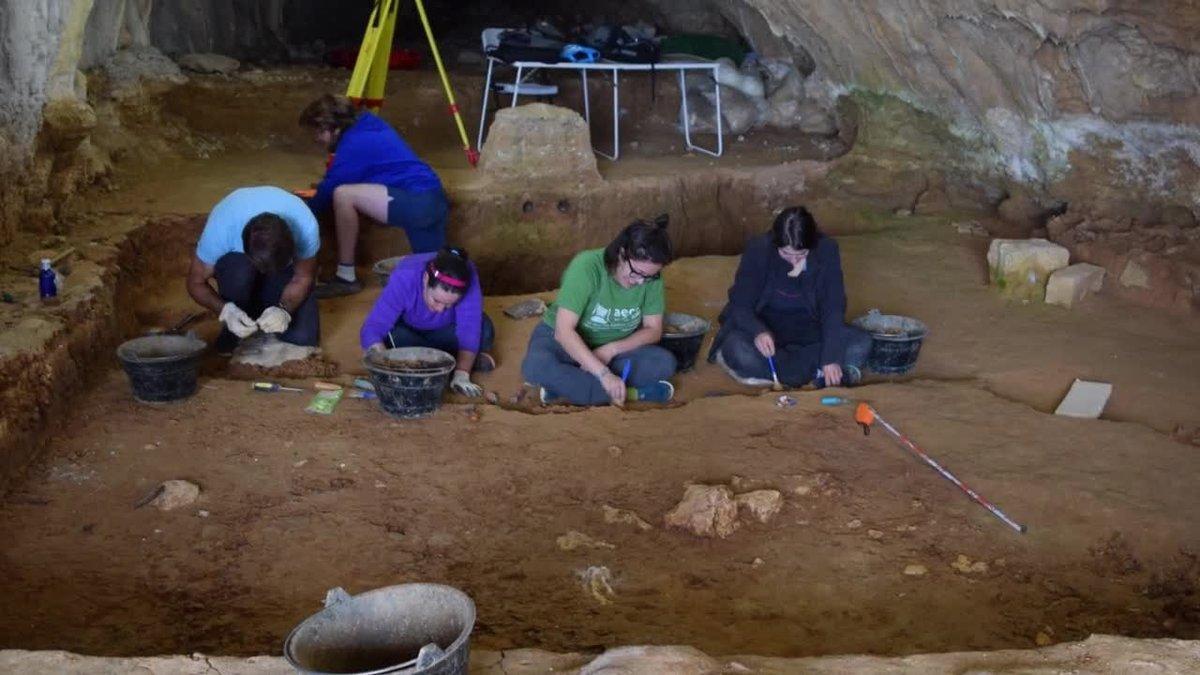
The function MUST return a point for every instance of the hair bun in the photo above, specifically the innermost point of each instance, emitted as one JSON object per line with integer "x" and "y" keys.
{"x": 660, "y": 221}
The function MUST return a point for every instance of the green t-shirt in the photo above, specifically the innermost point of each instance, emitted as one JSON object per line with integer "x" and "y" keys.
{"x": 607, "y": 311}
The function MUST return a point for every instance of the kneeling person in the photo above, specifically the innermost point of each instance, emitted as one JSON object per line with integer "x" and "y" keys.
{"x": 260, "y": 246}
{"x": 435, "y": 300}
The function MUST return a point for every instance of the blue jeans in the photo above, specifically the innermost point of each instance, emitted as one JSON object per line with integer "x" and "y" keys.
{"x": 795, "y": 363}
{"x": 547, "y": 364}
{"x": 422, "y": 215}
{"x": 240, "y": 283}
{"x": 445, "y": 339}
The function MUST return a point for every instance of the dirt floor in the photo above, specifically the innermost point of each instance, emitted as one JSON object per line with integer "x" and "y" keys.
{"x": 293, "y": 504}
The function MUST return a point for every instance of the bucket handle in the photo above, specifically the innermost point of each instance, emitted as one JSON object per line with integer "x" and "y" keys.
{"x": 335, "y": 596}
{"x": 429, "y": 655}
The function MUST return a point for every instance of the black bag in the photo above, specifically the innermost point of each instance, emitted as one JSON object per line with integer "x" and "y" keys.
{"x": 616, "y": 44}
{"x": 515, "y": 45}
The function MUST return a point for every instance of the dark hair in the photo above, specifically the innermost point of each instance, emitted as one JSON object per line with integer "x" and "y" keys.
{"x": 267, "y": 241}
{"x": 447, "y": 267}
{"x": 795, "y": 227}
{"x": 329, "y": 112}
{"x": 641, "y": 240}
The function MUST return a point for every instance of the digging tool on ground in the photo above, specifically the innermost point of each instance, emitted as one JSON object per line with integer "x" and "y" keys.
{"x": 774, "y": 374}
{"x": 865, "y": 415}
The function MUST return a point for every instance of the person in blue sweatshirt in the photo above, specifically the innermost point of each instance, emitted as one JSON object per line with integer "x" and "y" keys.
{"x": 788, "y": 303}
{"x": 372, "y": 173}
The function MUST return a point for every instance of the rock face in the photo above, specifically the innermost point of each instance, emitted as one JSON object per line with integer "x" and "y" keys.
{"x": 1020, "y": 268}
{"x": 537, "y": 141}
{"x": 705, "y": 511}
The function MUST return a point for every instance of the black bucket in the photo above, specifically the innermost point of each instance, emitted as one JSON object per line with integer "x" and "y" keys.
{"x": 409, "y": 629}
{"x": 409, "y": 381}
{"x": 895, "y": 341}
{"x": 161, "y": 367}
{"x": 384, "y": 268}
{"x": 682, "y": 336}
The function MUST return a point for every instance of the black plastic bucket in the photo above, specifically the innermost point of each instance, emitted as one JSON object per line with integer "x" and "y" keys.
{"x": 161, "y": 367}
{"x": 895, "y": 341}
{"x": 682, "y": 336}
{"x": 413, "y": 629}
{"x": 384, "y": 268}
{"x": 409, "y": 381}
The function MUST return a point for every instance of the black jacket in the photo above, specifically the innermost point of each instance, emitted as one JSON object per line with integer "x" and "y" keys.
{"x": 760, "y": 266}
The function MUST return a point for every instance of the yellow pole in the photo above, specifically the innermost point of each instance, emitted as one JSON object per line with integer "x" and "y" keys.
{"x": 366, "y": 56}
{"x": 472, "y": 154}
{"x": 377, "y": 80}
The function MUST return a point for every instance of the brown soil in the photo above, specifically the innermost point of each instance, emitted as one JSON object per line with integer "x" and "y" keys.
{"x": 294, "y": 504}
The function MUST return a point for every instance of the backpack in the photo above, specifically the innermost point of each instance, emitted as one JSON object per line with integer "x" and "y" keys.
{"x": 616, "y": 44}
{"x": 515, "y": 45}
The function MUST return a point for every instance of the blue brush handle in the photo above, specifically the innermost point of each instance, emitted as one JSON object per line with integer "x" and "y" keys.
{"x": 625, "y": 371}
{"x": 771, "y": 362}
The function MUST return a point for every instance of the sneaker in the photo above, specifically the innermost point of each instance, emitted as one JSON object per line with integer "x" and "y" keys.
{"x": 484, "y": 363}
{"x": 336, "y": 288}
{"x": 659, "y": 392}
{"x": 748, "y": 381}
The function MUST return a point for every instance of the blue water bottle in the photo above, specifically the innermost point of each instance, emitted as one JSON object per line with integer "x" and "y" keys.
{"x": 47, "y": 284}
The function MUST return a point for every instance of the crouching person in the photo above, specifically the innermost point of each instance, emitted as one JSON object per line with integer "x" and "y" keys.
{"x": 260, "y": 246}
{"x": 435, "y": 300}
{"x": 608, "y": 317}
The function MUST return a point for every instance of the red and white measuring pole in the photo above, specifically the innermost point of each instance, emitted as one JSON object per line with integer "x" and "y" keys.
{"x": 865, "y": 415}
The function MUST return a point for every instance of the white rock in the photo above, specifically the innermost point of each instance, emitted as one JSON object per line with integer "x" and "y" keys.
{"x": 1020, "y": 268}
{"x": 705, "y": 511}
{"x": 574, "y": 539}
{"x": 1072, "y": 284}
{"x": 915, "y": 570}
{"x": 624, "y": 517}
{"x": 1135, "y": 276}
{"x": 209, "y": 63}
{"x": 176, "y": 494}
{"x": 763, "y": 504}
{"x": 652, "y": 661}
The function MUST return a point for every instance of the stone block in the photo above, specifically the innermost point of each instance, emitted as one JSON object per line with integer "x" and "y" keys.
{"x": 1020, "y": 268}
{"x": 537, "y": 141}
{"x": 1072, "y": 284}
{"x": 1135, "y": 275}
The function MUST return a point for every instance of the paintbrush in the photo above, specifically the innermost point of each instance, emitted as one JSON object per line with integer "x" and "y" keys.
{"x": 774, "y": 374}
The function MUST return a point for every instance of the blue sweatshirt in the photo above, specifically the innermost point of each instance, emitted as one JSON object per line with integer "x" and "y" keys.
{"x": 370, "y": 151}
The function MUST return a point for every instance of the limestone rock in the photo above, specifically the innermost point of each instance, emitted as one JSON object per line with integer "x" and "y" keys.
{"x": 816, "y": 121}
{"x": 964, "y": 564}
{"x": 1135, "y": 276}
{"x": 705, "y": 511}
{"x": 130, "y": 69}
{"x": 653, "y": 661}
{"x": 66, "y": 122}
{"x": 597, "y": 582}
{"x": 535, "y": 142}
{"x": 209, "y": 63}
{"x": 615, "y": 516}
{"x": 176, "y": 494}
{"x": 526, "y": 309}
{"x": 1020, "y": 268}
{"x": 762, "y": 504}
{"x": 1071, "y": 284}
{"x": 915, "y": 570}
{"x": 575, "y": 539}
{"x": 971, "y": 227}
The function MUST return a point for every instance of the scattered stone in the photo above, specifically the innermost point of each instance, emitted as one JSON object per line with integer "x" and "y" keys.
{"x": 915, "y": 570}
{"x": 854, "y": 524}
{"x": 526, "y": 309}
{"x": 209, "y": 63}
{"x": 175, "y": 494}
{"x": 492, "y": 397}
{"x": 300, "y": 463}
{"x": 1135, "y": 276}
{"x": 972, "y": 227}
{"x": 763, "y": 504}
{"x": 1043, "y": 640}
{"x": 1020, "y": 268}
{"x": 802, "y": 490}
{"x": 757, "y": 562}
{"x": 652, "y": 660}
{"x": 597, "y": 582}
{"x": 875, "y": 534}
{"x": 148, "y": 446}
{"x": 202, "y": 513}
{"x": 963, "y": 564}
{"x": 574, "y": 539}
{"x": 705, "y": 511}
{"x": 615, "y": 516}
{"x": 816, "y": 121}
{"x": 1072, "y": 284}
{"x": 615, "y": 451}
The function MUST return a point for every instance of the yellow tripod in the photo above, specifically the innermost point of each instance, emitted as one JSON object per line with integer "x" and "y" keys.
{"x": 369, "y": 78}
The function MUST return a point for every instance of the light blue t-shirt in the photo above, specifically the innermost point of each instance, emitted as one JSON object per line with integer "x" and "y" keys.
{"x": 223, "y": 230}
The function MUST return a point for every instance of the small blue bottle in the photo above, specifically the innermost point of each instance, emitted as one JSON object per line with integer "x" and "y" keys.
{"x": 47, "y": 283}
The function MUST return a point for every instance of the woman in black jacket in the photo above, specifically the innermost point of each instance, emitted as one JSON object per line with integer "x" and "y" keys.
{"x": 788, "y": 301}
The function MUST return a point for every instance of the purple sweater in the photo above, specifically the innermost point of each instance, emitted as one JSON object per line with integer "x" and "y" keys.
{"x": 402, "y": 298}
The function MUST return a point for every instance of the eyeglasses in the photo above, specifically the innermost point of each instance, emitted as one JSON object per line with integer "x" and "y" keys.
{"x": 646, "y": 277}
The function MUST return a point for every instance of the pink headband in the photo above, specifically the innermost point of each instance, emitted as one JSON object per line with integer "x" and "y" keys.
{"x": 445, "y": 278}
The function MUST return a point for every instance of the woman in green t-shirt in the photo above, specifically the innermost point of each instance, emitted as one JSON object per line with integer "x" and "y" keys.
{"x": 598, "y": 341}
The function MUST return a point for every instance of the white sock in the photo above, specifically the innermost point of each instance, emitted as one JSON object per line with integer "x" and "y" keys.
{"x": 346, "y": 272}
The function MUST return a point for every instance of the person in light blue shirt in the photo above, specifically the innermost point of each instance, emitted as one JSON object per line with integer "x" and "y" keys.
{"x": 372, "y": 173}
{"x": 260, "y": 246}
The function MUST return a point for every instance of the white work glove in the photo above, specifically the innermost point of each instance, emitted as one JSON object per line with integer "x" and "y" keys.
{"x": 461, "y": 383}
{"x": 238, "y": 322}
{"x": 274, "y": 320}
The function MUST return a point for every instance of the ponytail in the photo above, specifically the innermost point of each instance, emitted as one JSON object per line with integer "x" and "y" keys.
{"x": 449, "y": 270}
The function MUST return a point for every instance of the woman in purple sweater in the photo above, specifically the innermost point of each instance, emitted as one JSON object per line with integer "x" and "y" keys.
{"x": 434, "y": 300}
